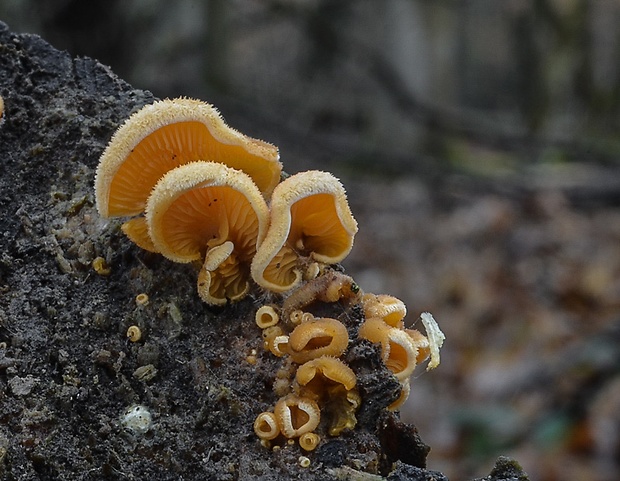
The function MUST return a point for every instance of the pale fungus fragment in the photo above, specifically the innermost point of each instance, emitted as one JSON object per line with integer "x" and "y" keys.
{"x": 165, "y": 135}
{"x": 266, "y": 426}
{"x": 435, "y": 339}
{"x": 314, "y": 338}
{"x": 304, "y": 461}
{"x": 134, "y": 333}
{"x": 207, "y": 211}
{"x": 297, "y": 415}
{"x": 310, "y": 222}
{"x": 137, "y": 419}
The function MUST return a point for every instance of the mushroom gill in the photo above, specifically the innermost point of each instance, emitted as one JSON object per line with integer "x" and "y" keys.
{"x": 310, "y": 221}
{"x": 213, "y": 213}
{"x": 169, "y": 133}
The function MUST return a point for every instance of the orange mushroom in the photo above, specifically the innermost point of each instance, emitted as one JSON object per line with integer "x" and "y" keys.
{"x": 297, "y": 415}
{"x": 398, "y": 351}
{"x": 318, "y": 373}
{"x": 317, "y": 337}
{"x": 310, "y": 221}
{"x": 389, "y": 308}
{"x": 332, "y": 383}
{"x": 207, "y": 211}
{"x": 165, "y": 135}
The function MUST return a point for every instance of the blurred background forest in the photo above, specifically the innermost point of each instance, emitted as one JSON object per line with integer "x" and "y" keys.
{"x": 479, "y": 141}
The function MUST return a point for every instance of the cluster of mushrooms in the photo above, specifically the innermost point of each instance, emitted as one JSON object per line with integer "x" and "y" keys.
{"x": 196, "y": 190}
{"x": 315, "y": 378}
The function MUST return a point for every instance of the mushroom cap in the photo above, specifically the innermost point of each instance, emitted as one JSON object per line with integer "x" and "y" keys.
{"x": 266, "y": 426}
{"x": 169, "y": 133}
{"x": 398, "y": 350}
{"x": 324, "y": 368}
{"x": 310, "y": 217}
{"x": 205, "y": 210}
{"x": 389, "y": 308}
{"x": 202, "y": 205}
{"x": 316, "y": 338}
{"x": 297, "y": 415}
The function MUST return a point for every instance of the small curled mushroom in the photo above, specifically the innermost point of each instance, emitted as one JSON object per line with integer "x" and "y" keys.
{"x": 389, "y": 308}
{"x": 317, "y": 337}
{"x": 266, "y": 426}
{"x": 142, "y": 299}
{"x": 266, "y": 316}
{"x": 309, "y": 441}
{"x": 101, "y": 266}
{"x": 278, "y": 346}
{"x": 297, "y": 415}
{"x": 404, "y": 394}
{"x": 398, "y": 351}
{"x": 317, "y": 374}
{"x": 134, "y": 333}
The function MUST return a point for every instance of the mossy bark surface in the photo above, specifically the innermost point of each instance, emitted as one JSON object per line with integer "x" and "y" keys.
{"x": 68, "y": 373}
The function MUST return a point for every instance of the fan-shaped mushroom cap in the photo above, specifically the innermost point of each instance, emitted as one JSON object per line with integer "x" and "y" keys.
{"x": 207, "y": 210}
{"x": 316, "y": 372}
{"x": 169, "y": 133}
{"x": 310, "y": 217}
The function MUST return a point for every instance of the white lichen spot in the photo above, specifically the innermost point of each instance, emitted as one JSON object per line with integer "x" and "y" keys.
{"x": 137, "y": 419}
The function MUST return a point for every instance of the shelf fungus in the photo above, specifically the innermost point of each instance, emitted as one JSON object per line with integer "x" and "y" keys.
{"x": 310, "y": 222}
{"x": 163, "y": 136}
{"x": 213, "y": 213}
